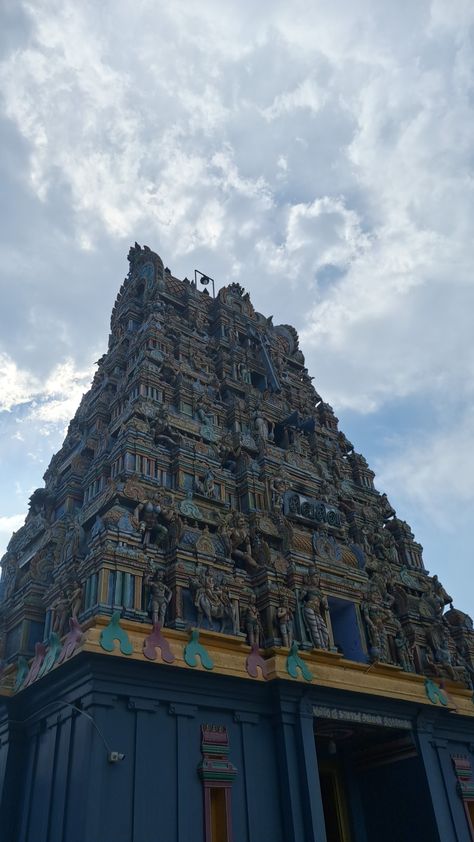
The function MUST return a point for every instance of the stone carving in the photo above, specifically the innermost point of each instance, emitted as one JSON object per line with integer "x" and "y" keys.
{"x": 212, "y": 601}
{"x": 149, "y": 516}
{"x": 403, "y": 650}
{"x": 375, "y": 616}
{"x": 205, "y": 485}
{"x": 10, "y": 571}
{"x": 315, "y": 606}
{"x": 162, "y": 429}
{"x": 252, "y": 623}
{"x": 285, "y": 621}
{"x": 260, "y": 425}
{"x": 278, "y": 486}
{"x": 235, "y": 536}
{"x": 67, "y": 606}
{"x": 203, "y": 410}
{"x": 160, "y": 596}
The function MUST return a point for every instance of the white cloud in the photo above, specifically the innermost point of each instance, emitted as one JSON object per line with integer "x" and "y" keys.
{"x": 320, "y": 154}
{"x": 436, "y": 471}
{"x": 54, "y": 401}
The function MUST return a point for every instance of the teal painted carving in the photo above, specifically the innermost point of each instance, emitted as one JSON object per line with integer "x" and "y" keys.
{"x": 207, "y": 433}
{"x": 188, "y": 508}
{"x": 295, "y": 663}
{"x": 193, "y": 649}
{"x": 435, "y": 693}
{"x": 113, "y": 633}
{"x": 52, "y": 654}
{"x": 21, "y": 673}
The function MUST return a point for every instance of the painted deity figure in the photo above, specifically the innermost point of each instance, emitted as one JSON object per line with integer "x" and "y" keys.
{"x": 60, "y": 613}
{"x": 75, "y": 599}
{"x": 253, "y": 625}
{"x": 206, "y": 484}
{"x": 278, "y": 486}
{"x": 404, "y": 656}
{"x": 375, "y": 616}
{"x": 260, "y": 425}
{"x": 203, "y": 410}
{"x": 212, "y": 601}
{"x": 285, "y": 621}
{"x": 236, "y": 538}
{"x": 315, "y": 606}
{"x": 160, "y": 597}
{"x": 244, "y": 374}
{"x": 148, "y": 515}
{"x": 443, "y": 656}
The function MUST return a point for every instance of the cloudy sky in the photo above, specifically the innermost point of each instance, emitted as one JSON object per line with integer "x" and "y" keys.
{"x": 319, "y": 153}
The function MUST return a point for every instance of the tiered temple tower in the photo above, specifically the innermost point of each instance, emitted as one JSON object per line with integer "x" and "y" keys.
{"x": 210, "y": 584}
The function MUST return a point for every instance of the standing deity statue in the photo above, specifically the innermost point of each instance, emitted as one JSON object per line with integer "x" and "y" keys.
{"x": 252, "y": 622}
{"x": 315, "y": 606}
{"x": 75, "y": 599}
{"x": 160, "y": 597}
{"x": 375, "y": 616}
{"x": 260, "y": 424}
{"x": 244, "y": 374}
{"x": 60, "y": 613}
{"x": 404, "y": 655}
{"x": 285, "y": 621}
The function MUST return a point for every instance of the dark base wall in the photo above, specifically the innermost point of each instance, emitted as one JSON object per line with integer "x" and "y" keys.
{"x": 56, "y": 784}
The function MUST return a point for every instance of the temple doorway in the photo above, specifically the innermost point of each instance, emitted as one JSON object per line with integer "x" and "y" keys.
{"x": 373, "y": 784}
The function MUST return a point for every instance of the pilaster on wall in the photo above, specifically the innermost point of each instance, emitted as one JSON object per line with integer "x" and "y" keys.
{"x": 298, "y": 767}
{"x": 436, "y": 752}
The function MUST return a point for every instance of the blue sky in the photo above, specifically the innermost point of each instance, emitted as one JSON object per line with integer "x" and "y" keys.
{"x": 320, "y": 154}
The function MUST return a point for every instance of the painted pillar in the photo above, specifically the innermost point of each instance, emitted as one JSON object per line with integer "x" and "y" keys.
{"x": 310, "y": 785}
{"x": 436, "y": 784}
{"x": 299, "y": 777}
{"x": 185, "y": 734}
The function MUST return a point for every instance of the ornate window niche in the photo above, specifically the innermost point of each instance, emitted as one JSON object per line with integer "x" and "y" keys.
{"x": 217, "y": 774}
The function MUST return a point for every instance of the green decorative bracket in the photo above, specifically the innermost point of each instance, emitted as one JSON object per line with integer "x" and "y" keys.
{"x": 21, "y": 673}
{"x": 193, "y": 649}
{"x": 52, "y": 654}
{"x": 435, "y": 693}
{"x": 114, "y": 633}
{"x": 295, "y": 663}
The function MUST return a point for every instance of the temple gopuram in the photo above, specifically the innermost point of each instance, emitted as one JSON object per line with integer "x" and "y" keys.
{"x": 213, "y": 626}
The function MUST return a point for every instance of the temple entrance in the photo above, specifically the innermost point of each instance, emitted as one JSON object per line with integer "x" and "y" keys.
{"x": 373, "y": 784}
{"x": 334, "y": 802}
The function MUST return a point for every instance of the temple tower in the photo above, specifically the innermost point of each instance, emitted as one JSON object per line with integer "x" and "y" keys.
{"x": 213, "y": 625}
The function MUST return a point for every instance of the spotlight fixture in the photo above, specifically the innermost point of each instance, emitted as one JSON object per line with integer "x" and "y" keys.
{"x": 204, "y": 280}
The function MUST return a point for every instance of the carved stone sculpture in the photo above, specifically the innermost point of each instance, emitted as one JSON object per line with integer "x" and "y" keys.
{"x": 160, "y": 596}
{"x": 315, "y": 606}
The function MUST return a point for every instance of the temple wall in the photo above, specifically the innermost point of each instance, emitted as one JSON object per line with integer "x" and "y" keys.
{"x": 154, "y": 716}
